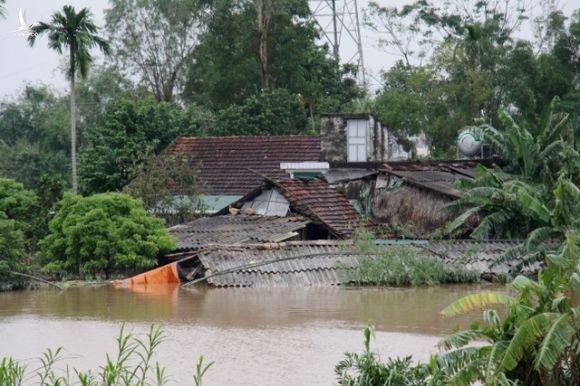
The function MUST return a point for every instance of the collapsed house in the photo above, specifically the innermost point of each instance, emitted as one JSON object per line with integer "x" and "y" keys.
{"x": 317, "y": 263}
{"x": 285, "y": 208}
{"x": 406, "y": 197}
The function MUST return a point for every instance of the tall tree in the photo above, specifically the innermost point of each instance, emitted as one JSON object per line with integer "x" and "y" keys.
{"x": 77, "y": 33}
{"x": 264, "y": 17}
{"x": 34, "y": 139}
{"x": 233, "y": 61}
{"x": 126, "y": 134}
{"x": 155, "y": 39}
{"x": 2, "y": 9}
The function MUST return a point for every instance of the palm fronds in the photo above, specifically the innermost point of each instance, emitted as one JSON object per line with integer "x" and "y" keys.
{"x": 477, "y": 301}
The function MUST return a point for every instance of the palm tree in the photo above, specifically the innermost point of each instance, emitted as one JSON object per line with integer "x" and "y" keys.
{"x": 77, "y": 33}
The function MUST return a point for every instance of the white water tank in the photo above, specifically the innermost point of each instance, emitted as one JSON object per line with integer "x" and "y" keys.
{"x": 470, "y": 141}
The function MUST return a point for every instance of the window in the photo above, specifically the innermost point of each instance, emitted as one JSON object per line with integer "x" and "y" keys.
{"x": 357, "y": 140}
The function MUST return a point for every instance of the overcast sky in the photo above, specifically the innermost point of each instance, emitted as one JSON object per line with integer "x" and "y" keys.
{"x": 20, "y": 64}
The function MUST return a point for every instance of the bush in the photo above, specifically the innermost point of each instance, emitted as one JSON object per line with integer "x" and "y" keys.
{"x": 11, "y": 253}
{"x": 104, "y": 234}
{"x": 22, "y": 206}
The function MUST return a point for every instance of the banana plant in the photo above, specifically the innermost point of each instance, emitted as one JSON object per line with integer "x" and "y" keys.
{"x": 536, "y": 343}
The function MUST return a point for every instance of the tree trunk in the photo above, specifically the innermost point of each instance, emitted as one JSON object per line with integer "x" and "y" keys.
{"x": 73, "y": 124}
{"x": 264, "y": 14}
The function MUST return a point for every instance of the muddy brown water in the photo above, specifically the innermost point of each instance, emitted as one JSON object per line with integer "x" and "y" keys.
{"x": 290, "y": 336}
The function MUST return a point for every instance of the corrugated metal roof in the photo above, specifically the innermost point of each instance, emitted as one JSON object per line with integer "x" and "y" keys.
{"x": 320, "y": 270}
{"x": 437, "y": 181}
{"x": 224, "y": 161}
{"x": 478, "y": 255}
{"x": 223, "y": 230}
{"x": 333, "y": 176}
{"x": 329, "y": 261}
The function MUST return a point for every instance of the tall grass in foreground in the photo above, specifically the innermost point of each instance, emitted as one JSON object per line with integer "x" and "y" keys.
{"x": 366, "y": 369}
{"x": 402, "y": 266}
{"x": 133, "y": 365}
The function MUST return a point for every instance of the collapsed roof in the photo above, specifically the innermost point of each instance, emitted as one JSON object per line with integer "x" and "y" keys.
{"x": 313, "y": 198}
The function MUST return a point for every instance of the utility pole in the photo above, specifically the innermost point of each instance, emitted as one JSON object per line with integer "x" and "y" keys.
{"x": 339, "y": 25}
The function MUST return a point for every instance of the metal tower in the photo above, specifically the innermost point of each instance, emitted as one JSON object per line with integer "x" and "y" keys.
{"x": 339, "y": 25}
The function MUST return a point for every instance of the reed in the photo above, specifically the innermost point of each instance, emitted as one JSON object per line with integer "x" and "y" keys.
{"x": 133, "y": 365}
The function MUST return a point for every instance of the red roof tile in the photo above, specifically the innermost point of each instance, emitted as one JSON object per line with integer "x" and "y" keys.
{"x": 224, "y": 161}
{"x": 321, "y": 203}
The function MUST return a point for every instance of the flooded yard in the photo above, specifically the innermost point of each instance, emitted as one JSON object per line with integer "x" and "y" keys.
{"x": 291, "y": 336}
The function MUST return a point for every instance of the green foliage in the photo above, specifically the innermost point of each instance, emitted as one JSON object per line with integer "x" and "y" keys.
{"x": 463, "y": 63}
{"x": 402, "y": 266}
{"x": 33, "y": 136}
{"x": 169, "y": 186}
{"x": 533, "y": 339}
{"x": 21, "y": 206}
{"x": 227, "y": 68}
{"x": 367, "y": 370}
{"x": 275, "y": 112}
{"x": 76, "y": 32}
{"x": 11, "y": 253}
{"x": 536, "y": 342}
{"x": 126, "y": 134}
{"x": 539, "y": 198}
{"x": 133, "y": 365}
{"x": 200, "y": 371}
{"x": 101, "y": 235}
{"x": 11, "y": 372}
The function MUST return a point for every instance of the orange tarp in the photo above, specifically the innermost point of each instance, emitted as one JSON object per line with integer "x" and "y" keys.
{"x": 162, "y": 275}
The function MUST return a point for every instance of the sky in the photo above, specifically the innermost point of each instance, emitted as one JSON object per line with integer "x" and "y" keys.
{"x": 21, "y": 64}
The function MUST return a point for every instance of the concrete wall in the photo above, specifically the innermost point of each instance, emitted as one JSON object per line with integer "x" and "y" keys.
{"x": 381, "y": 145}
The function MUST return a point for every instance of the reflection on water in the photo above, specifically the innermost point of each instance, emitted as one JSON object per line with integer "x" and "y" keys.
{"x": 256, "y": 336}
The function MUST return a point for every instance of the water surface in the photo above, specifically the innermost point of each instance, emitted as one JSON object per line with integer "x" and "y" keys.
{"x": 290, "y": 336}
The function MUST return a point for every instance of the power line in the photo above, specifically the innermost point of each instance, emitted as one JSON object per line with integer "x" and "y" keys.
{"x": 338, "y": 21}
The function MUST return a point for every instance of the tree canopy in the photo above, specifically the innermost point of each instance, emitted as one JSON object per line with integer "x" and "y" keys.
{"x": 102, "y": 235}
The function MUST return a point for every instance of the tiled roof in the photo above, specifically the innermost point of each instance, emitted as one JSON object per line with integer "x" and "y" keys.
{"x": 224, "y": 230}
{"x": 224, "y": 161}
{"x": 322, "y": 269}
{"x": 317, "y": 200}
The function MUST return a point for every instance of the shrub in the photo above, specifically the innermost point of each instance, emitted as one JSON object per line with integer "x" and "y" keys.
{"x": 22, "y": 206}
{"x": 104, "y": 234}
{"x": 11, "y": 253}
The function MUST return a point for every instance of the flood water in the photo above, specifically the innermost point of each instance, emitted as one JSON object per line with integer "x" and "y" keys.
{"x": 291, "y": 336}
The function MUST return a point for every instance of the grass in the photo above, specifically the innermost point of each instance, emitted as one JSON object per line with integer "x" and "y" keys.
{"x": 402, "y": 266}
{"x": 133, "y": 365}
